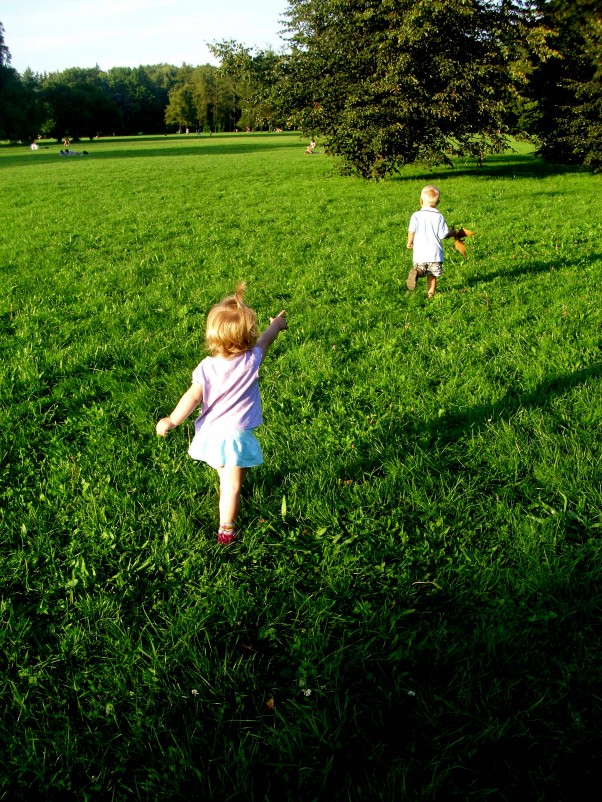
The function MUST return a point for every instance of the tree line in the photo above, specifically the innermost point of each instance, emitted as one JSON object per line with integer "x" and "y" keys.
{"x": 80, "y": 102}
{"x": 382, "y": 83}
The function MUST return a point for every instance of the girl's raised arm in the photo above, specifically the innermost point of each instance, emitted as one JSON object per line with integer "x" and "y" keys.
{"x": 277, "y": 324}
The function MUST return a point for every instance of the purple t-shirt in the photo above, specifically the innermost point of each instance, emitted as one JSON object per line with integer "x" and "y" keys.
{"x": 230, "y": 392}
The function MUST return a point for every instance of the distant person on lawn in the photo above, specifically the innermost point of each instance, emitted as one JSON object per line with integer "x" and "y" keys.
{"x": 226, "y": 387}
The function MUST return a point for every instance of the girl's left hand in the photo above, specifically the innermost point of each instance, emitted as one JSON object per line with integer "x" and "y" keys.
{"x": 163, "y": 426}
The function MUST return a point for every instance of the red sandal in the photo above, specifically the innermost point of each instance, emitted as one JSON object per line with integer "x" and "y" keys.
{"x": 227, "y": 533}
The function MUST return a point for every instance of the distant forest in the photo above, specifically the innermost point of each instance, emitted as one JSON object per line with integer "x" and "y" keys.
{"x": 149, "y": 99}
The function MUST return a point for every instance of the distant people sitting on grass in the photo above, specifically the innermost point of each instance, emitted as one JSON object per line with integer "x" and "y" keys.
{"x": 310, "y": 148}
{"x": 34, "y": 146}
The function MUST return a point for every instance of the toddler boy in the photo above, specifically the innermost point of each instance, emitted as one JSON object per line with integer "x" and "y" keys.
{"x": 426, "y": 231}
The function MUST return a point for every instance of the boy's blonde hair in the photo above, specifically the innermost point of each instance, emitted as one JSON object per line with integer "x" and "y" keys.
{"x": 231, "y": 325}
{"x": 430, "y": 195}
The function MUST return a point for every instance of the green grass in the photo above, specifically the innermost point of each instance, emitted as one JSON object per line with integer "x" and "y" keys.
{"x": 413, "y": 610}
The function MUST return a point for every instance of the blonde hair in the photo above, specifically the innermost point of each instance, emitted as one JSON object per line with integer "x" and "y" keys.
{"x": 430, "y": 195}
{"x": 231, "y": 325}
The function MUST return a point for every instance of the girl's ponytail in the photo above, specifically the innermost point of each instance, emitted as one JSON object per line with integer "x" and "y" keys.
{"x": 239, "y": 293}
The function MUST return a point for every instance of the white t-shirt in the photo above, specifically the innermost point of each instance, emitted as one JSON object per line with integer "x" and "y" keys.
{"x": 429, "y": 228}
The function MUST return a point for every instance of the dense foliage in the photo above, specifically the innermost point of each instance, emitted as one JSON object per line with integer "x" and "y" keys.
{"x": 566, "y": 81}
{"x": 13, "y": 98}
{"x": 258, "y": 77}
{"x": 204, "y": 98}
{"x": 390, "y": 82}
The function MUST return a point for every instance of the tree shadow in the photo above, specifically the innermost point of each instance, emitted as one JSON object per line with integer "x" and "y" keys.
{"x": 216, "y": 145}
{"x": 529, "y": 268}
{"x": 368, "y": 461}
{"x": 508, "y": 165}
{"x": 453, "y": 425}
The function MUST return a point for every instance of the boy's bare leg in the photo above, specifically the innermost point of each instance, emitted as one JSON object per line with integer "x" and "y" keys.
{"x": 230, "y": 484}
{"x": 431, "y": 285}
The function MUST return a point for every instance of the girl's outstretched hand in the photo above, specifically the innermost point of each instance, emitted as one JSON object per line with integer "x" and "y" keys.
{"x": 163, "y": 426}
{"x": 280, "y": 320}
{"x": 277, "y": 324}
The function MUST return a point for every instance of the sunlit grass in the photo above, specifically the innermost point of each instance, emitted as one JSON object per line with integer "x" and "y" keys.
{"x": 414, "y": 605}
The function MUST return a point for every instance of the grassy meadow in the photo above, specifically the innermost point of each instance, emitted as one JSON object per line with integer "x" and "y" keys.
{"x": 413, "y": 610}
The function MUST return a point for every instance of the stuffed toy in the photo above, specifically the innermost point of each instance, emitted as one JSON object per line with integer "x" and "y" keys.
{"x": 459, "y": 239}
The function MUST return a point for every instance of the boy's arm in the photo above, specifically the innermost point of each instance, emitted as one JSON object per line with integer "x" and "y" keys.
{"x": 460, "y": 233}
{"x": 277, "y": 324}
{"x": 187, "y": 404}
{"x": 410, "y": 239}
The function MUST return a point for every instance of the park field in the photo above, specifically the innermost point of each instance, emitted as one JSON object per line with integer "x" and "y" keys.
{"x": 413, "y": 610}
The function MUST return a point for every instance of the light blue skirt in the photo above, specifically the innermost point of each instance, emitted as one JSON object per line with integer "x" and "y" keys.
{"x": 239, "y": 449}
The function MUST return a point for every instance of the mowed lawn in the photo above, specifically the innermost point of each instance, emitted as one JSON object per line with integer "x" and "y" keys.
{"x": 412, "y": 612}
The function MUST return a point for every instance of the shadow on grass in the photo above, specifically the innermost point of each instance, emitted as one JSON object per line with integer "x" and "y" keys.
{"x": 509, "y": 165}
{"x": 529, "y": 268}
{"x": 216, "y": 145}
{"x": 451, "y": 426}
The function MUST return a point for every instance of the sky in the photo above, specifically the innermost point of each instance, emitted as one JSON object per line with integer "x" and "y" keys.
{"x": 52, "y": 35}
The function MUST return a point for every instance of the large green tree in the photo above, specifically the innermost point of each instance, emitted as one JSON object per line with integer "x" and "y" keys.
{"x": 391, "y": 82}
{"x": 181, "y": 109}
{"x": 566, "y": 81}
{"x": 21, "y": 110}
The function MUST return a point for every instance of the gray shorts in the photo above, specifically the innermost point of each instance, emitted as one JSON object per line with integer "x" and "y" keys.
{"x": 433, "y": 268}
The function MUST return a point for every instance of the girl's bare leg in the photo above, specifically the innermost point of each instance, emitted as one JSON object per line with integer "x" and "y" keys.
{"x": 230, "y": 484}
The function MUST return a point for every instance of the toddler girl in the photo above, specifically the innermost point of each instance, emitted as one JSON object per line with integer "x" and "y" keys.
{"x": 226, "y": 386}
